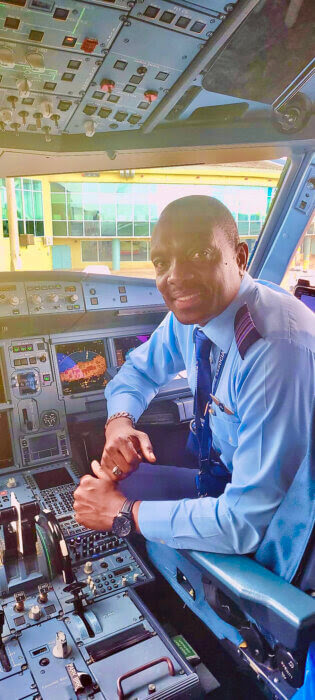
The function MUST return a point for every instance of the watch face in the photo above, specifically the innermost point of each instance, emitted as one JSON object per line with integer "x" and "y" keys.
{"x": 122, "y": 525}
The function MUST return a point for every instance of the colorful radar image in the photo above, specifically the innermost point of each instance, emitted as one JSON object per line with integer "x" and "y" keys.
{"x": 82, "y": 366}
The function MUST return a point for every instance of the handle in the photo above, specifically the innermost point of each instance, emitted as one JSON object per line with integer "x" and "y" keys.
{"x": 134, "y": 671}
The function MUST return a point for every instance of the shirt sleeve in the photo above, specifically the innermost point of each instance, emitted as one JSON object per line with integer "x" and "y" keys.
{"x": 274, "y": 390}
{"x": 146, "y": 369}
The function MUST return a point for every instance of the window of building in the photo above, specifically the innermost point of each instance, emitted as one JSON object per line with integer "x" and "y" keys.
{"x": 29, "y": 205}
{"x": 96, "y": 251}
{"x": 101, "y": 251}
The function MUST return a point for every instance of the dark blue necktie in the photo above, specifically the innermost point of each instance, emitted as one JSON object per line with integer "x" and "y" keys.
{"x": 203, "y": 384}
{"x": 213, "y": 476}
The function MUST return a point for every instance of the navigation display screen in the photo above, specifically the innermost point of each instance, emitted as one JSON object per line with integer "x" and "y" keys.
{"x": 124, "y": 345}
{"x": 52, "y": 478}
{"x": 82, "y": 366}
{"x": 6, "y": 452}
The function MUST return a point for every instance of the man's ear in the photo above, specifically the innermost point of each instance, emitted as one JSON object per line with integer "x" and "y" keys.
{"x": 242, "y": 255}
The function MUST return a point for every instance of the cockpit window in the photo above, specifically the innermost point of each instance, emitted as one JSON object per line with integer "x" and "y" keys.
{"x": 105, "y": 220}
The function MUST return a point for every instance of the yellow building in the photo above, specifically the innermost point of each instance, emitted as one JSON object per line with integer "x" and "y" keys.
{"x": 75, "y": 221}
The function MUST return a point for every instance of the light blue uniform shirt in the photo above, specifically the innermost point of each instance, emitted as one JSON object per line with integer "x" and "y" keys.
{"x": 263, "y": 443}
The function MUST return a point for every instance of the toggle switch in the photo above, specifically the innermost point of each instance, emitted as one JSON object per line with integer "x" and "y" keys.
{"x": 24, "y": 87}
{"x": 89, "y": 127}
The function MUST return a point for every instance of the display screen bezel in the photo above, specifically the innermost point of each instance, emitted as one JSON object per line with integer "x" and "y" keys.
{"x": 81, "y": 390}
{"x": 118, "y": 338}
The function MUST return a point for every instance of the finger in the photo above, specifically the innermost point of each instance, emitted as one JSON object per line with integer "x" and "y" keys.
{"x": 146, "y": 447}
{"x": 116, "y": 459}
{"x": 97, "y": 470}
{"x": 131, "y": 453}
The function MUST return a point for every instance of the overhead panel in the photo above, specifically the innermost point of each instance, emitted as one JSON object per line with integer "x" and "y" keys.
{"x": 185, "y": 20}
{"x": 139, "y": 69}
{"x": 80, "y": 67}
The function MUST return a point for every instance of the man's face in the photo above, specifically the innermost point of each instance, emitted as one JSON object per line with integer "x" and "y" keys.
{"x": 197, "y": 269}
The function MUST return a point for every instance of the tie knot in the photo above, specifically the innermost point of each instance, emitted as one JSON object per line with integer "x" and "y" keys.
{"x": 203, "y": 345}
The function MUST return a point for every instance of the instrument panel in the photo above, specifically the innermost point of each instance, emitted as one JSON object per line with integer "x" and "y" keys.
{"x": 72, "y": 622}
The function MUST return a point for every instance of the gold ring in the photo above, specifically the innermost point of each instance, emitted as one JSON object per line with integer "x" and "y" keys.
{"x": 116, "y": 471}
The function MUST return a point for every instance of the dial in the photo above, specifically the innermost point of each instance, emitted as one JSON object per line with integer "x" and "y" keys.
{"x": 50, "y": 418}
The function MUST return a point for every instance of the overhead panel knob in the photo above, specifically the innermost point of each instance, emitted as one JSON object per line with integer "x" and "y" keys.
{"x": 53, "y": 297}
{"x": 72, "y": 298}
{"x": 14, "y": 301}
{"x": 35, "y": 60}
{"x": 7, "y": 56}
{"x": 6, "y": 115}
{"x": 36, "y": 299}
{"x": 24, "y": 87}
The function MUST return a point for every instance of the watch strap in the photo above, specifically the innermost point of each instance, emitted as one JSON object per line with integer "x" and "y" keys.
{"x": 127, "y": 507}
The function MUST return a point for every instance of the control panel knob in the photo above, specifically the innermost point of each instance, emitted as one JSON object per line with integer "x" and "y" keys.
{"x": 19, "y": 601}
{"x": 88, "y": 567}
{"x": 124, "y": 581}
{"x": 53, "y": 297}
{"x": 36, "y": 299}
{"x": 11, "y": 482}
{"x": 72, "y": 298}
{"x": 61, "y": 649}
{"x": 35, "y": 612}
{"x": 14, "y": 301}
{"x": 43, "y": 592}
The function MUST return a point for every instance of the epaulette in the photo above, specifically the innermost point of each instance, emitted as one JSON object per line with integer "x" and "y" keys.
{"x": 245, "y": 330}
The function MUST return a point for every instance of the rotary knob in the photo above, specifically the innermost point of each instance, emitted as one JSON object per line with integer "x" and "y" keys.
{"x": 73, "y": 297}
{"x": 35, "y": 612}
{"x": 53, "y": 297}
{"x": 14, "y": 301}
{"x": 11, "y": 483}
{"x": 36, "y": 299}
{"x": 88, "y": 567}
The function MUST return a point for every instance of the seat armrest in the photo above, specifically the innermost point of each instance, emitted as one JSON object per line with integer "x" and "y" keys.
{"x": 282, "y": 610}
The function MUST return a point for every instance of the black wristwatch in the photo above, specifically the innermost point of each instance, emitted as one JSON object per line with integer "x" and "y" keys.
{"x": 123, "y": 523}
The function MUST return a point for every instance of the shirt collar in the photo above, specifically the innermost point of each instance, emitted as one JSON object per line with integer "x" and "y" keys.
{"x": 220, "y": 329}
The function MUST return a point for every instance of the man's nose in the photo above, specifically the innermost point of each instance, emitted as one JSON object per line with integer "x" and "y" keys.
{"x": 179, "y": 271}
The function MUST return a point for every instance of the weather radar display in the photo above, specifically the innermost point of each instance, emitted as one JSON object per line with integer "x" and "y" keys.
{"x": 126, "y": 344}
{"x": 82, "y": 366}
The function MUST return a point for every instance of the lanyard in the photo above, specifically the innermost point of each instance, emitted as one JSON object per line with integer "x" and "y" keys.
{"x": 203, "y": 430}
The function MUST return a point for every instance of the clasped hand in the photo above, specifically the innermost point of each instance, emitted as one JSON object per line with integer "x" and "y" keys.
{"x": 97, "y": 500}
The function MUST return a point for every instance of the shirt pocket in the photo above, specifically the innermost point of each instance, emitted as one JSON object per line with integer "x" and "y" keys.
{"x": 224, "y": 427}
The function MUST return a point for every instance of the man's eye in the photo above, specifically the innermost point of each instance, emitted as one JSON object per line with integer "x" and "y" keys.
{"x": 159, "y": 263}
{"x": 199, "y": 254}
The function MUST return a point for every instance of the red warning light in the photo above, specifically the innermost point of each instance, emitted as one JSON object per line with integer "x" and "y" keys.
{"x": 150, "y": 95}
{"x": 88, "y": 45}
{"x": 107, "y": 85}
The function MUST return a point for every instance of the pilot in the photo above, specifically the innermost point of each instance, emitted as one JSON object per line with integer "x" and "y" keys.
{"x": 248, "y": 349}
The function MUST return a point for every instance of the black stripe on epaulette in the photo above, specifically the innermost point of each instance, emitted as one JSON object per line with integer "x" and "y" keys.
{"x": 246, "y": 333}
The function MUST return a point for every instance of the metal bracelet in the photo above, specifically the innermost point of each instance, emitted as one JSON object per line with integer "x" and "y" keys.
{"x": 121, "y": 414}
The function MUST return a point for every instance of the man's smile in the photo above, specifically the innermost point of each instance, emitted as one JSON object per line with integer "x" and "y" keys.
{"x": 183, "y": 300}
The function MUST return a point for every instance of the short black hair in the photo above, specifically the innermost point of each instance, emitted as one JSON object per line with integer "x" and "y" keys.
{"x": 218, "y": 213}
